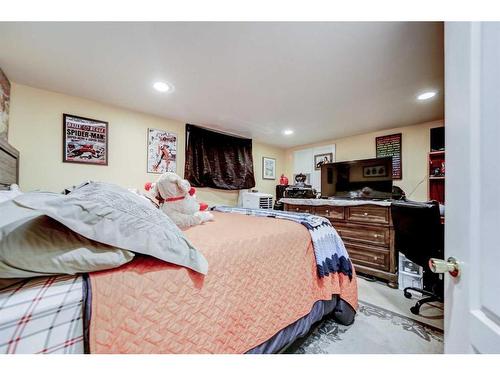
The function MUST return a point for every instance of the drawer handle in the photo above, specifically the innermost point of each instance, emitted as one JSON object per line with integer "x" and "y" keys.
{"x": 365, "y": 213}
{"x": 376, "y": 235}
{"x": 327, "y": 212}
{"x": 296, "y": 209}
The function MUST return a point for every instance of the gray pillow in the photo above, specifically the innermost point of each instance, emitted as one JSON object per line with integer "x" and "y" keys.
{"x": 112, "y": 215}
{"x": 32, "y": 244}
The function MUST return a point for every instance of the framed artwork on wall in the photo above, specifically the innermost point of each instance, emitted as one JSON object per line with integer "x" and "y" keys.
{"x": 321, "y": 159}
{"x": 4, "y": 104}
{"x": 162, "y": 151}
{"x": 85, "y": 140}
{"x": 390, "y": 145}
{"x": 268, "y": 168}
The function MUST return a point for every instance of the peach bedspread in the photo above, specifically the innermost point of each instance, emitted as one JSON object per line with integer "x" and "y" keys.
{"x": 261, "y": 278}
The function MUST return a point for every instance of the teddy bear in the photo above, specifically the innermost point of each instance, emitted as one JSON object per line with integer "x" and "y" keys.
{"x": 177, "y": 200}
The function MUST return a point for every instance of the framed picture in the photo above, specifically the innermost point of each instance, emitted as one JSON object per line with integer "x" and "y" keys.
{"x": 85, "y": 140}
{"x": 268, "y": 168}
{"x": 162, "y": 151}
{"x": 391, "y": 145}
{"x": 4, "y": 104}
{"x": 321, "y": 159}
{"x": 375, "y": 171}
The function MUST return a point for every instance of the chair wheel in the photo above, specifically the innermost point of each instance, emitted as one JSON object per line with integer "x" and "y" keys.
{"x": 415, "y": 310}
{"x": 407, "y": 295}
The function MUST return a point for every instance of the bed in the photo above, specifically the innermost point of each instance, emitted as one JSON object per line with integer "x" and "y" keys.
{"x": 261, "y": 293}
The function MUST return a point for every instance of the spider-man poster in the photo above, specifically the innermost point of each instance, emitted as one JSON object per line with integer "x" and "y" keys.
{"x": 85, "y": 140}
{"x": 162, "y": 151}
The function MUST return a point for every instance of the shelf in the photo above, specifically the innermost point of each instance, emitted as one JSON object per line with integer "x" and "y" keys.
{"x": 436, "y": 184}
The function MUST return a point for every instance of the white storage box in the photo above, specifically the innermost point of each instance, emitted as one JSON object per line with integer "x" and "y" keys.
{"x": 409, "y": 273}
{"x": 406, "y": 280}
{"x": 407, "y": 266}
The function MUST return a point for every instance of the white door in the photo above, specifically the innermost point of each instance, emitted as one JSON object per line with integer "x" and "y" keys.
{"x": 472, "y": 115}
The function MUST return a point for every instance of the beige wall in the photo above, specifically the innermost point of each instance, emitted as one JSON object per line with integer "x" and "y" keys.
{"x": 35, "y": 129}
{"x": 415, "y": 148}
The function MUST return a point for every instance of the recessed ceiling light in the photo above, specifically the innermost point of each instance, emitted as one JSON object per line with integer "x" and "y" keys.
{"x": 288, "y": 132}
{"x": 161, "y": 86}
{"x": 426, "y": 95}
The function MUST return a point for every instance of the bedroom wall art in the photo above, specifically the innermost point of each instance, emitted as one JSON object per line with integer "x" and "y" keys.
{"x": 85, "y": 140}
{"x": 321, "y": 159}
{"x": 162, "y": 151}
{"x": 4, "y": 104}
{"x": 390, "y": 145}
{"x": 268, "y": 168}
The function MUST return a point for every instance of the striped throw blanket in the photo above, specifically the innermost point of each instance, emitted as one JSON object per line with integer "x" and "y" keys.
{"x": 329, "y": 250}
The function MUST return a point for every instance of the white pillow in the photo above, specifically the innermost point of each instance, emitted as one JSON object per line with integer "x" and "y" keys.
{"x": 32, "y": 244}
{"x": 112, "y": 215}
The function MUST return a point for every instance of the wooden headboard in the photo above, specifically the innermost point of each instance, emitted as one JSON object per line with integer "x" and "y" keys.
{"x": 9, "y": 165}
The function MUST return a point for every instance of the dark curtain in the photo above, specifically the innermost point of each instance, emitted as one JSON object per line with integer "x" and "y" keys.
{"x": 218, "y": 160}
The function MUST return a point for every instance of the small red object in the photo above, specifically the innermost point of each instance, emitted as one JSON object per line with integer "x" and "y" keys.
{"x": 147, "y": 186}
{"x": 192, "y": 191}
{"x": 283, "y": 180}
{"x": 203, "y": 206}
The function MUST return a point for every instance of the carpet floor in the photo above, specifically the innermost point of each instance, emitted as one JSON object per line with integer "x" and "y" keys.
{"x": 376, "y": 330}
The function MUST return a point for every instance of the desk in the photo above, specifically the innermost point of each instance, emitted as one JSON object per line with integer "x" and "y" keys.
{"x": 366, "y": 229}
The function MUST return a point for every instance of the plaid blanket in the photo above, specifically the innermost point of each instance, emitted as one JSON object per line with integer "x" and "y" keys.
{"x": 42, "y": 315}
{"x": 329, "y": 250}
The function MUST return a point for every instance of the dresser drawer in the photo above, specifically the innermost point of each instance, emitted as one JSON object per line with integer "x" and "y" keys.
{"x": 369, "y": 256}
{"x": 368, "y": 214}
{"x": 373, "y": 235}
{"x": 299, "y": 208}
{"x": 331, "y": 212}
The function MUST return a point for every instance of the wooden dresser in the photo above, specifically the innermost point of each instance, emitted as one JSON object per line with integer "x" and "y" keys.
{"x": 366, "y": 230}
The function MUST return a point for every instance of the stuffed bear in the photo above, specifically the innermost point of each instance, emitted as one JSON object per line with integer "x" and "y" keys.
{"x": 177, "y": 199}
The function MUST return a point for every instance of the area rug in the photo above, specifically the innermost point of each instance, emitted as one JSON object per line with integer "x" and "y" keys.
{"x": 375, "y": 331}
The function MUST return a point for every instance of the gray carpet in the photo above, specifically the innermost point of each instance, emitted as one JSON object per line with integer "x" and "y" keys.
{"x": 375, "y": 331}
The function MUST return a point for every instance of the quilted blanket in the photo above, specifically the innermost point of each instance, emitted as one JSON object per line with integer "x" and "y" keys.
{"x": 262, "y": 278}
{"x": 329, "y": 249}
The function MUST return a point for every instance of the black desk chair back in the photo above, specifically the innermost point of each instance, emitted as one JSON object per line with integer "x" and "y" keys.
{"x": 419, "y": 235}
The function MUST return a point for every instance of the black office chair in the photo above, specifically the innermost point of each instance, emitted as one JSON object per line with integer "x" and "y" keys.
{"x": 419, "y": 235}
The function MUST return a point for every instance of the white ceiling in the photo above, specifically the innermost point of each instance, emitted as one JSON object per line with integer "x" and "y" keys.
{"x": 324, "y": 80}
